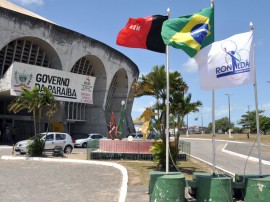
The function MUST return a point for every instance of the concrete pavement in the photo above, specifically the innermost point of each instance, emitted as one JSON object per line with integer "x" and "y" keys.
{"x": 234, "y": 151}
{"x": 112, "y": 189}
{"x": 47, "y": 179}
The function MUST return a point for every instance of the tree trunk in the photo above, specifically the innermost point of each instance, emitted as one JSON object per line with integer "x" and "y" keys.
{"x": 176, "y": 140}
{"x": 35, "y": 126}
{"x": 39, "y": 117}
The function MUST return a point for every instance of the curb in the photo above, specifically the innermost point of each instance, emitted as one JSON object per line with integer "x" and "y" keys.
{"x": 5, "y": 147}
{"x": 219, "y": 168}
{"x": 123, "y": 170}
{"x": 254, "y": 159}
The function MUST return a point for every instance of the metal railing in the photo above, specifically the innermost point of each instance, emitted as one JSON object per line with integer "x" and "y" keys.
{"x": 184, "y": 148}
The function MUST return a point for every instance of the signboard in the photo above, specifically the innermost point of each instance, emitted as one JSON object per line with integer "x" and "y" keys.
{"x": 65, "y": 86}
{"x": 57, "y": 127}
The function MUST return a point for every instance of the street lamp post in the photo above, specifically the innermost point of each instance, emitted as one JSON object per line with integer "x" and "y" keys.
{"x": 202, "y": 121}
{"x": 249, "y": 128}
{"x": 229, "y": 103}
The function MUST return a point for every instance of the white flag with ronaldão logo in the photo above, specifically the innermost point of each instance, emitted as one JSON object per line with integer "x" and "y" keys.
{"x": 227, "y": 63}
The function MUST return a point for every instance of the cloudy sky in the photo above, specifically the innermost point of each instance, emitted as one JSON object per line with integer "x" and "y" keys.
{"x": 102, "y": 20}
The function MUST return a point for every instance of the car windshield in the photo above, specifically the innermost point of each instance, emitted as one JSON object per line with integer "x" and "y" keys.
{"x": 83, "y": 137}
{"x": 49, "y": 136}
{"x": 136, "y": 135}
{"x": 95, "y": 136}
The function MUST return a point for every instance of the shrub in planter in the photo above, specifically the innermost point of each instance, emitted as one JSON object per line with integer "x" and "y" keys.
{"x": 35, "y": 147}
{"x": 159, "y": 151}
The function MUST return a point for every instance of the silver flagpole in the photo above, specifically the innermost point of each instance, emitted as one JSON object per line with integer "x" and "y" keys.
{"x": 257, "y": 112}
{"x": 167, "y": 104}
{"x": 213, "y": 124}
{"x": 213, "y": 133}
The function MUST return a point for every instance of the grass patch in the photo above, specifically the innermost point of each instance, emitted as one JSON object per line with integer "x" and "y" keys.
{"x": 138, "y": 171}
{"x": 264, "y": 139}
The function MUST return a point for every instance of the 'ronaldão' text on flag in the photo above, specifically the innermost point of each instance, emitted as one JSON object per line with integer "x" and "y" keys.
{"x": 227, "y": 63}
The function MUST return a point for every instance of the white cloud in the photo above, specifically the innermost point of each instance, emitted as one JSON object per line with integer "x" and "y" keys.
{"x": 137, "y": 109}
{"x": 222, "y": 112}
{"x": 259, "y": 43}
{"x": 140, "y": 104}
{"x": 206, "y": 110}
{"x": 266, "y": 108}
{"x": 29, "y": 2}
{"x": 190, "y": 65}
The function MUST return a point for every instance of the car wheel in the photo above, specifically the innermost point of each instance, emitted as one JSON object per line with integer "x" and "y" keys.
{"x": 84, "y": 145}
{"x": 68, "y": 149}
{"x": 22, "y": 153}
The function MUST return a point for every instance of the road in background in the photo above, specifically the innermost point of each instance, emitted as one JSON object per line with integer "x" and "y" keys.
{"x": 230, "y": 161}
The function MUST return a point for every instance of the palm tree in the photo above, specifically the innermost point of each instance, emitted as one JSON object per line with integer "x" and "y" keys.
{"x": 154, "y": 84}
{"x": 48, "y": 103}
{"x": 29, "y": 100}
{"x": 181, "y": 106}
{"x": 34, "y": 101}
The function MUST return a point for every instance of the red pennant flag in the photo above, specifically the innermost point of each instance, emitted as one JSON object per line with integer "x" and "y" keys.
{"x": 113, "y": 127}
{"x": 143, "y": 33}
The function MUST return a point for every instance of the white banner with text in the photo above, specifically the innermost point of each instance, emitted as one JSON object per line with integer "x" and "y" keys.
{"x": 65, "y": 86}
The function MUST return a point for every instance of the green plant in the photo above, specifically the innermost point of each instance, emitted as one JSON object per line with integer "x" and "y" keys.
{"x": 35, "y": 101}
{"x": 35, "y": 147}
{"x": 159, "y": 151}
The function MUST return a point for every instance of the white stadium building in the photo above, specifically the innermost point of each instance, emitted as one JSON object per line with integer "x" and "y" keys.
{"x": 88, "y": 78}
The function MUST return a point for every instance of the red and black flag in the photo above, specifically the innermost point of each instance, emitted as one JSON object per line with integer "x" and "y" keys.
{"x": 143, "y": 33}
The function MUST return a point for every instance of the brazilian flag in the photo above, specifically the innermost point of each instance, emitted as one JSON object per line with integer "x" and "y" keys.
{"x": 190, "y": 33}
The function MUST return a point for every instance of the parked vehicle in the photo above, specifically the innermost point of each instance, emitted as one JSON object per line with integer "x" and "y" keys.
{"x": 152, "y": 136}
{"x": 52, "y": 139}
{"x": 135, "y": 135}
{"x": 83, "y": 142}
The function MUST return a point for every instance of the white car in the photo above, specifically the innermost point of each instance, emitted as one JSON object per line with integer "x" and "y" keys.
{"x": 135, "y": 135}
{"x": 52, "y": 139}
{"x": 83, "y": 142}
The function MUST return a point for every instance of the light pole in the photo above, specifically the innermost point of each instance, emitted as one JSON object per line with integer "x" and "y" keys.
{"x": 202, "y": 121}
{"x": 249, "y": 128}
{"x": 229, "y": 102}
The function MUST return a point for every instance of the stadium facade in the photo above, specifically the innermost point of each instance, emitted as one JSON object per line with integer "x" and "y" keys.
{"x": 33, "y": 48}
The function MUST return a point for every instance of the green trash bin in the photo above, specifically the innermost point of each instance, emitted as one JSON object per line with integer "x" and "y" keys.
{"x": 154, "y": 175}
{"x": 214, "y": 188}
{"x": 258, "y": 189}
{"x": 169, "y": 188}
{"x": 242, "y": 179}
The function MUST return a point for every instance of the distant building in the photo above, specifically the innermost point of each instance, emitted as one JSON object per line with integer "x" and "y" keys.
{"x": 138, "y": 126}
{"x": 32, "y": 47}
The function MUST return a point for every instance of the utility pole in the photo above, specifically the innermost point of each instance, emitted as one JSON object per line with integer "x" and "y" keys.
{"x": 229, "y": 103}
{"x": 202, "y": 121}
{"x": 249, "y": 128}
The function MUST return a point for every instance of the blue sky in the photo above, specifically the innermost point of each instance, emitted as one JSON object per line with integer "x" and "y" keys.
{"x": 102, "y": 20}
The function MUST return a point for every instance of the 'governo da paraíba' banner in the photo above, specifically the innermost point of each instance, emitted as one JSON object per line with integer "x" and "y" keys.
{"x": 65, "y": 86}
